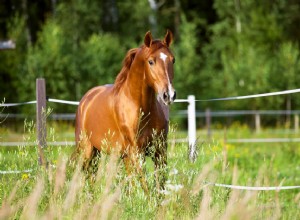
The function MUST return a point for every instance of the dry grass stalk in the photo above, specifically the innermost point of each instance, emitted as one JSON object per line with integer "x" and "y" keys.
{"x": 54, "y": 210}
{"x": 6, "y": 209}
{"x": 109, "y": 197}
{"x": 30, "y": 209}
{"x": 82, "y": 212}
{"x": 206, "y": 212}
{"x": 108, "y": 203}
{"x": 238, "y": 204}
{"x": 111, "y": 171}
{"x": 202, "y": 178}
{"x": 75, "y": 186}
{"x": 297, "y": 199}
{"x": 60, "y": 176}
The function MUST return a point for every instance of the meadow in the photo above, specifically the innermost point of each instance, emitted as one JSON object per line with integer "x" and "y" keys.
{"x": 63, "y": 191}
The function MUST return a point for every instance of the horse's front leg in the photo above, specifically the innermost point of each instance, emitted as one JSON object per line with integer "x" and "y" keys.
{"x": 133, "y": 164}
{"x": 85, "y": 150}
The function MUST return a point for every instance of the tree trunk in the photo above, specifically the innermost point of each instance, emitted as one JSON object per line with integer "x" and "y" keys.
{"x": 26, "y": 18}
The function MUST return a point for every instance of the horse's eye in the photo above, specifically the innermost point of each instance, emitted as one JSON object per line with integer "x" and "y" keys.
{"x": 173, "y": 60}
{"x": 151, "y": 62}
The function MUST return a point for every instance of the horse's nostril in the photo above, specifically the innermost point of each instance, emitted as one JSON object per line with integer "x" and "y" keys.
{"x": 174, "y": 96}
{"x": 165, "y": 96}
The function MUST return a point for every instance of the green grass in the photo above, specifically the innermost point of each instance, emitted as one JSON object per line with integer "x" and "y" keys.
{"x": 63, "y": 192}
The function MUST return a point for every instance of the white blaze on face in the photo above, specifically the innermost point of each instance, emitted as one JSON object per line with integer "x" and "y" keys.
{"x": 163, "y": 56}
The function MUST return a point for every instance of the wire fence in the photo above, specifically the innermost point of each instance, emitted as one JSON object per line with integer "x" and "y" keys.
{"x": 192, "y": 120}
{"x": 178, "y": 114}
{"x": 284, "y": 92}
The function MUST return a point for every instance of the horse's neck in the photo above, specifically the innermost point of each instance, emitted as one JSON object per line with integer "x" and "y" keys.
{"x": 138, "y": 90}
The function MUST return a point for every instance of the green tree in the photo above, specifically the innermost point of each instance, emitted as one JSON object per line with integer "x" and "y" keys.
{"x": 239, "y": 59}
{"x": 187, "y": 65}
{"x": 286, "y": 69}
{"x": 12, "y": 62}
{"x": 100, "y": 60}
{"x": 222, "y": 48}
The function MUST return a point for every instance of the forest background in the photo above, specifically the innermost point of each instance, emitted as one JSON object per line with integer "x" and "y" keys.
{"x": 222, "y": 48}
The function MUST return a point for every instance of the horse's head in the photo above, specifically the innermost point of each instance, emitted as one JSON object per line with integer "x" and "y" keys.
{"x": 159, "y": 62}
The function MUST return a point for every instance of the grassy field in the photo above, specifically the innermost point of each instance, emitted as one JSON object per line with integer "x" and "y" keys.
{"x": 63, "y": 192}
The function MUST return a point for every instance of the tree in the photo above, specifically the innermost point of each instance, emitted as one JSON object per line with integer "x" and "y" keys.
{"x": 222, "y": 48}
{"x": 188, "y": 62}
{"x": 286, "y": 68}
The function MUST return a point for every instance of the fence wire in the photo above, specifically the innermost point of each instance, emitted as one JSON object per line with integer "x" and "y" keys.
{"x": 276, "y": 188}
{"x": 284, "y": 92}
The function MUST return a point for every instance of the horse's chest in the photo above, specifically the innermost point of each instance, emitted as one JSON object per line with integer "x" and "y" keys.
{"x": 145, "y": 136}
{"x": 141, "y": 132}
{"x": 149, "y": 131}
{"x": 140, "y": 127}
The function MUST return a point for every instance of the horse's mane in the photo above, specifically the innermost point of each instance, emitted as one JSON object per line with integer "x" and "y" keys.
{"x": 121, "y": 77}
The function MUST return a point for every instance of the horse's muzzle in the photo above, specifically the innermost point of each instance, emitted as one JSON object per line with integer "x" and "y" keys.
{"x": 169, "y": 97}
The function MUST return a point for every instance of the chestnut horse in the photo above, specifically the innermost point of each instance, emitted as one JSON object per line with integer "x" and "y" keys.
{"x": 129, "y": 114}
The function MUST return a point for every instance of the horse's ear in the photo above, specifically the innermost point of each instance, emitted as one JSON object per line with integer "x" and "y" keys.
{"x": 148, "y": 39}
{"x": 168, "y": 38}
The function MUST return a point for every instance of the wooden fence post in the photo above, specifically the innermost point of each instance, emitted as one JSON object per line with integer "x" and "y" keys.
{"x": 208, "y": 122}
{"x": 225, "y": 152}
{"x": 257, "y": 122}
{"x": 296, "y": 123}
{"x": 41, "y": 119}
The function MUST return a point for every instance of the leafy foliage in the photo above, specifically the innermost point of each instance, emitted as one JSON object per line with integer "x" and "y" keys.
{"x": 222, "y": 48}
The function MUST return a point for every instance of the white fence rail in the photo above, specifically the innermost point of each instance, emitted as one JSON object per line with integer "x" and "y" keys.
{"x": 191, "y": 112}
{"x": 179, "y": 114}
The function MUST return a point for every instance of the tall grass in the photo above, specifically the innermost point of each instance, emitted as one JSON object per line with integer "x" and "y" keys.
{"x": 64, "y": 191}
